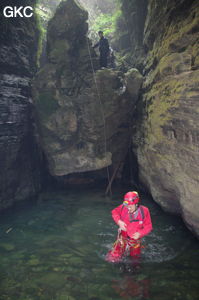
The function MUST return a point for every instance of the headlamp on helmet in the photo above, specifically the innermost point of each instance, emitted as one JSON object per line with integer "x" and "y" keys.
{"x": 131, "y": 198}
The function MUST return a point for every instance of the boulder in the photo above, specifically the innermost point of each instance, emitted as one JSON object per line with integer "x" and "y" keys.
{"x": 84, "y": 114}
{"x": 133, "y": 80}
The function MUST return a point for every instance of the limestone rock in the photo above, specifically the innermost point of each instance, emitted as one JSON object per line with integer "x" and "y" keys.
{"x": 133, "y": 80}
{"x": 19, "y": 154}
{"x": 166, "y": 140}
{"x": 84, "y": 117}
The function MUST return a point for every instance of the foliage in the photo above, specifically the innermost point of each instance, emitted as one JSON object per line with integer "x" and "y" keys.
{"x": 51, "y": 4}
{"x": 96, "y": 6}
{"x": 44, "y": 11}
{"x": 42, "y": 34}
{"x": 102, "y": 16}
{"x": 106, "y": 22}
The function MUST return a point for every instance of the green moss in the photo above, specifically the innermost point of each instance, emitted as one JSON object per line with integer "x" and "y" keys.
{"x": 7, "y": 246}
{"x": 195, "y": 54}
{"x": 33, "y": 262}
{"x": 107, "y": 22}
{"x": 168, "y": 63}
{"x": 162, "y": 97}
{"x": 172, "y": 64}
{"x": 42, "y": 35}
{"x": 46, "y": 104}
{"x": 177, "y": 36}
{"x": 42, "y": 18}
{"x": 172, "y": 55}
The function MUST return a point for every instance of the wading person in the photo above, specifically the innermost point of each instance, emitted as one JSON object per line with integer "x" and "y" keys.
{"x": 103, "y": 45}
{"x": 134, "y": 222}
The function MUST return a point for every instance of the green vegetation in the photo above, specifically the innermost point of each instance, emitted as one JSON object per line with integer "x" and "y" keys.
{"x": 44, "y": 11}
{"x": 107, "y": 23}
{"x": 102, "y": 16}
{"x": 42, "y": 36}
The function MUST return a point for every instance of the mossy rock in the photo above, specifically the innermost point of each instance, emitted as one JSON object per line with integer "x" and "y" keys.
{"x": 39, "y": 269}
{"x": 52, "y": 279}
{"x": 59, "y": 52}
{"x": 75, "y": 260}
{"x": 65, "y": 255}
{"x": 174, "y": 63}
{"x": 34, "y": 262}
{"x": 7, "y": 246}
{"x": 163, "y": 98}
{"x": 65, "y": 296}
{"x": 46, "y": 104}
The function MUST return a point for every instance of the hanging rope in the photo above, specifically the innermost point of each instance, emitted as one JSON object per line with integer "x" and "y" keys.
{"x": 101, "y": 108}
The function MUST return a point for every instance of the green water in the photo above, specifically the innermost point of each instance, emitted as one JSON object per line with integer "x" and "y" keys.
{"x": 54, "y": 249}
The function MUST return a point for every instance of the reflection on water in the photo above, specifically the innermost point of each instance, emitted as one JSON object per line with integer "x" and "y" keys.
{"x": 54, "y": 249}
{"x": 130, "y": 286}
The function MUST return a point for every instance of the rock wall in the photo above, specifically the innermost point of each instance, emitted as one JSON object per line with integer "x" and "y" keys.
{"x": 166, "y": 140}
{"x": 83, "y": 115}
{"x": 19, "y": 155}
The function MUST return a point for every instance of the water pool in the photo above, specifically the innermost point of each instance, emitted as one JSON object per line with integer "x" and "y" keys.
{"x": 54, "y": 249}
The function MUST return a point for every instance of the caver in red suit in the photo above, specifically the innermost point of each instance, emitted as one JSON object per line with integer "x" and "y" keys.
{"x": 134, "y": 222}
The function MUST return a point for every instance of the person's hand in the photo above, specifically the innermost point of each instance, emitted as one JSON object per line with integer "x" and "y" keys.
{"x": 122, "y": 225}
{"x": 136, "y": 236}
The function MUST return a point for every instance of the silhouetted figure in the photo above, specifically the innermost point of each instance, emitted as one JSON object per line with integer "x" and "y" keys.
{"x": 103, "y": 45}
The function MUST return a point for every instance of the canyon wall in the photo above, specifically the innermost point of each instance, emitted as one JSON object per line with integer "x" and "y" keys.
{"x": 166, "y": 137}
{"x": 19, "y": 155}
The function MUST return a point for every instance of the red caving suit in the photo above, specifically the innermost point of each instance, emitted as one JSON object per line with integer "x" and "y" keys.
{"x": 139, "y": 221}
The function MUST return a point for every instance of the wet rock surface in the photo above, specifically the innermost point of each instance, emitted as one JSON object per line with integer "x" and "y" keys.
{"x": 19, "y": 155}
{"x": 84, "y": 113}
{"x": 166, "y": 136}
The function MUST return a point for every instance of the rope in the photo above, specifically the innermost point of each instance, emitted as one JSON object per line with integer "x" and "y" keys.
{"x": 101, "y": 107}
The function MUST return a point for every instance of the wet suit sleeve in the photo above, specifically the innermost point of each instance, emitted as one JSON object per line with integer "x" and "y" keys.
{"x": 116, "y": 213}
{"x": 147, "y": 225}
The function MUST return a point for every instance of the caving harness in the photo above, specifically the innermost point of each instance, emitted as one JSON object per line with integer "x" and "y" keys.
{"x": 125, "y": 243}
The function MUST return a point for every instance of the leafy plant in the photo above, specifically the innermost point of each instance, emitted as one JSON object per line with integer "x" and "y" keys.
{"x": 105, "y": 22}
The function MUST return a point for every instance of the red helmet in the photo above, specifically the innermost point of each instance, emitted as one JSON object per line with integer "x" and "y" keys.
{"x": 131, "y": 198}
